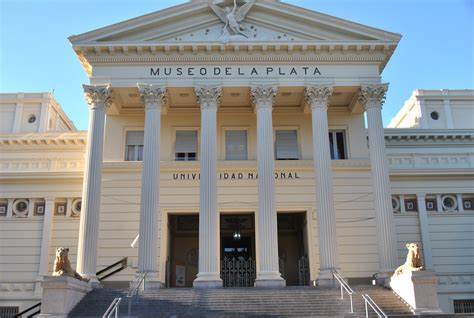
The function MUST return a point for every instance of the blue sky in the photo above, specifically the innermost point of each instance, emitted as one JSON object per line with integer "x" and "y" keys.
{"x": 436, "y": 50}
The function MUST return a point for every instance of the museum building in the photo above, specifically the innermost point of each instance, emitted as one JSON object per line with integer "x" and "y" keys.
{"x": 237, "y": 153}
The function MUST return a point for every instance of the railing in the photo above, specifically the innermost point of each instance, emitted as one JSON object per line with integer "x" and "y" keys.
{"x": 134, "y": 287}
{"x": 344, "y": 287}
{"x": 370, "y": 302}
{"x": 24, "y": 312}
{"x": 113, "y": 309}
{"x": 122, "y": 264}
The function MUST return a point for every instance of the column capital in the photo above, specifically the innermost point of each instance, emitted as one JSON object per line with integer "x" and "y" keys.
{"x": 263, "y": 95}
{"x": 97, "y": 96}
{"x": 153, "y": 96}
{"x": 372, "y": 95}
{"x": 208, "y": 97}
{"x": 317, "y": 96}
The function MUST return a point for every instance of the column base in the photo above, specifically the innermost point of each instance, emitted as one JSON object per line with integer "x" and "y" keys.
{"x": 269, "y": 280}
{"x": 208, "y": 280}
{"x": 325, "y": 278}
{"x": 382, "y": 278}
{"x": 152, "y": 282}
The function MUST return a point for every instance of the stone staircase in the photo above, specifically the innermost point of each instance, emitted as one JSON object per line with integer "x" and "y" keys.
{"x": 241, "y": 302}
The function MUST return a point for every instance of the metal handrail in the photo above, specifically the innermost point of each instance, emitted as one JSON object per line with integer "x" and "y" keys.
{"x": 113, "y": 309}
{"x": 370, "y": 302}
{"x": 20, "y": 314}
{"x": 133, "y": 291}
{"x": 123, "y": 264}
{"x": 344, "y": 287}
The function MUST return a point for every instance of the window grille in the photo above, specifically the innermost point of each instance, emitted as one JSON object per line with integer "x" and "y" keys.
{"x": 236, "y": 145}
{"x": 134, "y": 146}
{"x": 186, "y": 145}
{"x": 8, "y": 311}
{"x": 463, "y": 306}
{"x": 286, "y": 145}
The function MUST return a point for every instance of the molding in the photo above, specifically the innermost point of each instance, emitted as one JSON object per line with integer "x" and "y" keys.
{"x": 45, "y": 139}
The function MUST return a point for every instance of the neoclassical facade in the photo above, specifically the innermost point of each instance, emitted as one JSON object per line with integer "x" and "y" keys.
{"x": 256, "y": 148}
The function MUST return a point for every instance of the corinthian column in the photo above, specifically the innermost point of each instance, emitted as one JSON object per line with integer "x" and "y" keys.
{"x": 98, "y": 98}
{"x": 268, "y": 274}
{"x": 317, "y": 98}
{"x": 372, "y": 97}
{"x": 153, "y": 98}
{"x": 209, "y": 269}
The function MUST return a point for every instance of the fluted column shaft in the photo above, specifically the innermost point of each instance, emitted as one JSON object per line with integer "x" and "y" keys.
{"x": 372, "y": 98}
{"x": 209, "y": 269}
{"x": 98, "y": 99}
{"x": 153, "y": 98}
{"x": 317, "y": 98}
{"x": 268, "y": 274}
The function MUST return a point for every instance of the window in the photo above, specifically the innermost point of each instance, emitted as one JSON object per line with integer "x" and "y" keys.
{"x": 434, "y": 115}
{"x": 431, "y": 204}
{"x": 3, "y": 207}
{"x": 468, "y": 202}
{"x": 286, "y": 145}
{"x": 134, "y": 146}
{"x": 39, "y": 207}
{"x": 337, "y": 144}
{"x": 411, "y": 205}
{"x": 463, "y": 306}
{"x": 186, "y": 145}
{"x": 236, "y": 145}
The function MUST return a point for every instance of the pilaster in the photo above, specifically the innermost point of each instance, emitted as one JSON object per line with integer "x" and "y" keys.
{"x": 425, "y": 231}
{"x": 268, "y": 274}
{"x": 45, "y": 243}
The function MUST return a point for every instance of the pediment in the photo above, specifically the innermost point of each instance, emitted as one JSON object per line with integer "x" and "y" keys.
{"x": 266, "y": 21}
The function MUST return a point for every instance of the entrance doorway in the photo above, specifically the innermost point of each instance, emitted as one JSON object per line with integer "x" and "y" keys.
{"x": 237, "y": 250}
{"x": 182, "y": 263}
{"x": 293, "y": 248}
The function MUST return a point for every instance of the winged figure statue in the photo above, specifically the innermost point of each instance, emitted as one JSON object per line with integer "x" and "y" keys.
{"x": 232, "y": 17}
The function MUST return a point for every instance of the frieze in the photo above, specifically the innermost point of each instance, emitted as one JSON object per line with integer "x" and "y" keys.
{"x": 235, "y": 176}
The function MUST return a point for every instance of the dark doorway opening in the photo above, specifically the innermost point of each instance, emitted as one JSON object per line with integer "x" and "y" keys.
{"x": 182, "y": 263}
{"x": 293, "y": 248}
{"x": 237, "y": 250}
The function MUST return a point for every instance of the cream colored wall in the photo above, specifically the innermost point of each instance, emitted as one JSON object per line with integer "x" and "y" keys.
{"x": 7, "y": 118}
{"x": 117, "y": 126}
{"x": 451, "y": 235}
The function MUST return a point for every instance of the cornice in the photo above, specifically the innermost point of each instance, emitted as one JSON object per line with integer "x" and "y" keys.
{"x": 236, "y": 52}
{"x": 44, "y": 139}
{"x": 397, "y": 136}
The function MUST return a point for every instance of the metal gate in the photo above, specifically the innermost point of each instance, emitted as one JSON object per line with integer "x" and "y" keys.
{"x": 238, "y": 272}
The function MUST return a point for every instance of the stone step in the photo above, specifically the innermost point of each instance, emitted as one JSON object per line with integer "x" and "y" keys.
{"x": 241, "y": 302}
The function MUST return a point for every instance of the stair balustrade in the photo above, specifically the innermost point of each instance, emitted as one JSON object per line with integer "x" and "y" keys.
{"x": 369, "y": 302}
{"x": 344, "y": 287}
{"x": 134, "y": 287}
{"x": 113, "y": 309}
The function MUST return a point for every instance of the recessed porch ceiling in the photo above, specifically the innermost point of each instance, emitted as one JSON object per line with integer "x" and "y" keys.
{"x": 127, "y": 99}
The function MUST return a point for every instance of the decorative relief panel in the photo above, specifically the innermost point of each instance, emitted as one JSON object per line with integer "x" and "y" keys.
{"x": 431, "y": 161}
{"x": 41, "y": 165}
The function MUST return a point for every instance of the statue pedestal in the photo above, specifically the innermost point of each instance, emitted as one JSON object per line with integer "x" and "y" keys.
{"x": 419, "y": 290}
{"x": 61, "y": 294}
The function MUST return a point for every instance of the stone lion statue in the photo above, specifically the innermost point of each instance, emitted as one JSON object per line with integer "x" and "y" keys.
{"x": 62, "y": 265}
{"x": 413, "y": 262}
